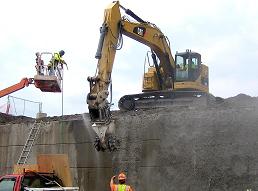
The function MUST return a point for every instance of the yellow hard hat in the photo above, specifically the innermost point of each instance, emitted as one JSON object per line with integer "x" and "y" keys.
{"x": 121, "y": 176}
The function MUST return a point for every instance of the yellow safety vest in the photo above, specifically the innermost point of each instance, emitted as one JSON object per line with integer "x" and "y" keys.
{"x": 122, "y": 187}
{"x": 56, "y": 58}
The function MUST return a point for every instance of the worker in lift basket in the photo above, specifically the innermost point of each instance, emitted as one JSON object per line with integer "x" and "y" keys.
{"x": 55, "y": 61}
{"x": 121, "y": 186}
{"x": 39, "y": 64}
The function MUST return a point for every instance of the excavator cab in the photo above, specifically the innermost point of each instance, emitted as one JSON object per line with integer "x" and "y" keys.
{"x": 188, "y": 66}
{"x": 191, "y": 74}
{"x": 45, "y": 80}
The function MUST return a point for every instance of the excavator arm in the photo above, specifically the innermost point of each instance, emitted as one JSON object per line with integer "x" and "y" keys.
{"x": 23, "y": 83}
{"x": 111, "y": 31}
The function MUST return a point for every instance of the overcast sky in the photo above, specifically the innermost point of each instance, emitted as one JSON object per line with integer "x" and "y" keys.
{"x": 224, "y": 32}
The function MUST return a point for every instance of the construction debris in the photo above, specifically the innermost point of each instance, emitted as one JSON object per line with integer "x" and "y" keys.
{"x": 212, "y": 147}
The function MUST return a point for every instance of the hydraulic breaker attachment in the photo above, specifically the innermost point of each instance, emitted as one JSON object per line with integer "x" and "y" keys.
{"x": 100, "y": 115}
{"x": 105, "y": 138}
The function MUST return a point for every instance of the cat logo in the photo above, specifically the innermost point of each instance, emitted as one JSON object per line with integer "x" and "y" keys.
{"x": 139, "y": 30}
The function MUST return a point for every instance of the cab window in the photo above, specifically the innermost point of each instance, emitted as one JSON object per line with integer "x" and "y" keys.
{"x": 181, "y": 68}
{"x": 194, "y": 63}
{"x": 7, "y": 184}
{"x": 179, "y": 61}
{"x": 187, "y": 68}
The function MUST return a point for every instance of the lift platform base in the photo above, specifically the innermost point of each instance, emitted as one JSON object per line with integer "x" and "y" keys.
{"x": 47, "y": 83}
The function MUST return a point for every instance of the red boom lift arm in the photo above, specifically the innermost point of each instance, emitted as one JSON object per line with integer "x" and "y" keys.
{"x": 25, "y": 82}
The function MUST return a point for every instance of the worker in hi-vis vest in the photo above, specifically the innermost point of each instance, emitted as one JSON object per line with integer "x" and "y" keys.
{"x": 121, "y": 186}
{"x": 55, "y": 60}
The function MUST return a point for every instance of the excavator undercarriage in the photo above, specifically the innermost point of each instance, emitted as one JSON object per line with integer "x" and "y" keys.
{"x": 159, "y": 99}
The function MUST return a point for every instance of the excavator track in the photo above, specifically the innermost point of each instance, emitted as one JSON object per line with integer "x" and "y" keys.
{"x": 159, "y": 99}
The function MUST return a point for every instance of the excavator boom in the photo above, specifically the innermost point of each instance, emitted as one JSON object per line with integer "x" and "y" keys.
{"x": 112, "y": 29}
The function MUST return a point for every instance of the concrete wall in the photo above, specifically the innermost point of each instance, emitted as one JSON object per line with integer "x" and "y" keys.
{"x": 64, "y": 136}
{"x": 182, "y": 148}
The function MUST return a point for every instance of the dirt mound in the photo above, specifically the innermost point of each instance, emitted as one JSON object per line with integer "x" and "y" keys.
{"x": 242, "y": 100}
{"x": 5, "y": 118}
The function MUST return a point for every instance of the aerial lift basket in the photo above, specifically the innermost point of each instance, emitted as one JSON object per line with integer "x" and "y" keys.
{"x": 47, "y": 83}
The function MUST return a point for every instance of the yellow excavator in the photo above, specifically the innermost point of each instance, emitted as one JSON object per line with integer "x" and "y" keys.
{"x": 165, "y": 79}
{"x": 191, "y": 80}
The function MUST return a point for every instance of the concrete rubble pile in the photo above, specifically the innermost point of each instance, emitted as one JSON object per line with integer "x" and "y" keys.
{"x": 198, "y": 147}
